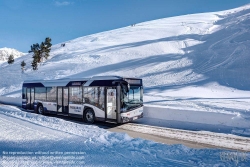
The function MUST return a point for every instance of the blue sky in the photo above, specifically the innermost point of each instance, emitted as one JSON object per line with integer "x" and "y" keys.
{"x": 25, "y": 22}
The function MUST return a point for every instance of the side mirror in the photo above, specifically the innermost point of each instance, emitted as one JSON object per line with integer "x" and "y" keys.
{"x": 125, "y": 87}
{"x": 128, "y": 87}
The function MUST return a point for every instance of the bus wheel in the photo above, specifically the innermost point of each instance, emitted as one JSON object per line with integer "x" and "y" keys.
{"x": 40, "y": 109}
{"x": 89, "y": 116}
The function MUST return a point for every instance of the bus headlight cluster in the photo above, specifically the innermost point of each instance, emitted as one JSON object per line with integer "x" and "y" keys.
{"x": 125, "y": 119}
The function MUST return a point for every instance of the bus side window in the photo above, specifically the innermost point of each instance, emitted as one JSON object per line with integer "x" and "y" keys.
{"x": 101, "y": 97}
{"x": 85, "y": 95}
{"x": 75, "y": 95}
{"x": 40, "y": 94}
{"x": 51, "y": 94}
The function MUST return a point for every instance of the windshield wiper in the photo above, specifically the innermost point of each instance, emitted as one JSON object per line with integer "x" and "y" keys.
{"x": 134, "y": 102}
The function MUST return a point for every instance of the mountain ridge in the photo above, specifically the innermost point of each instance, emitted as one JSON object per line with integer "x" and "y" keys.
{"x": 6, "y": 52}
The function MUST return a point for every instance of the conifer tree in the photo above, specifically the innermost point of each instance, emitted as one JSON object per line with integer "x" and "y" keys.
{"x": 40, "y": 51}
{"x": 11, "y": 59}
{"x": 35, "y": 61}
{"x": 46, "y": 47}
{"x": 23, "y": 64}
{"x": 35, "y": 48}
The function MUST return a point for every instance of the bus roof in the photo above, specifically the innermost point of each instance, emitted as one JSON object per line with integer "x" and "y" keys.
{"x": 92, "y": 81}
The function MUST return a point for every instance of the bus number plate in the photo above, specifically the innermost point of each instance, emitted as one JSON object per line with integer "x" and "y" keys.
{"x": 135, "y": 118}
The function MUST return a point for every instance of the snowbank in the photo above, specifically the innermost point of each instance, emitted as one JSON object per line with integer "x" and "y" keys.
{"x": 199, "y": 117}
{"x": 11, "y": 101}
{"x": 29, "y": 139}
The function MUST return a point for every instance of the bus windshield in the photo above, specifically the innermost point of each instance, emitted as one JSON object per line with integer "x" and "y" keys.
{"x": 132, "y": 98}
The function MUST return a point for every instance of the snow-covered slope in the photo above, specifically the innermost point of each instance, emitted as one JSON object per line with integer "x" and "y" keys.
{"x": 197, "y": 62}
{"x": 168, "y": 53}
{"x": 6, "y": 52}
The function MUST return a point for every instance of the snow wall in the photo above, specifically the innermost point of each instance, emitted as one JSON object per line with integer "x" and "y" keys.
{"x": 167, "y": 115}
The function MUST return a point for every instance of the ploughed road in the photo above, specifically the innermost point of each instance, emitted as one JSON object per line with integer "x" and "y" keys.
{"x": 192, "y": 139}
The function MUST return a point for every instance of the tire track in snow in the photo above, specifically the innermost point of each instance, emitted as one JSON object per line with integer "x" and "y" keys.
{"x": 208, "y": 65}
{"x": 227, "y": 141}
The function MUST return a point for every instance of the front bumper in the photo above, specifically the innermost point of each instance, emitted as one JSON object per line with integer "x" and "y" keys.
{"x": 127, "y": 119}
{"x": 132, "y": 115}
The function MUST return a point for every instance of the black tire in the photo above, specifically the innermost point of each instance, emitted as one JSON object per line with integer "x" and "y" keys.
{"x": 40, "y": 109}
{"x": 89, "y": 116}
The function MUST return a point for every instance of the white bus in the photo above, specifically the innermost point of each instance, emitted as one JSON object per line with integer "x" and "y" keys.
{"x": 101, "y": 98}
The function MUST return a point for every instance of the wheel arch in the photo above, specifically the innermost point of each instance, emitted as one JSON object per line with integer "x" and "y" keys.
{"x": 37, "y": 107}
{"x": 84, "y": 112}
{"x": 87, "y": 107}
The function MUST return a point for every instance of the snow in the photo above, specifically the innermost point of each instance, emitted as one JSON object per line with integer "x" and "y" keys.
{"x": 6, "y": 52}
{"x": 194, "y": 63}
{"x": 195, "y": 72}
{"x": 202, "y": 137}
{"x": 28, "y": 139}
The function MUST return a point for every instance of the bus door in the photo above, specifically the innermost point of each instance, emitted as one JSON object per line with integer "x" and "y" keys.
{"x": 111, "y": 103}
{"x": 30, "y": 98}
{"x": 62, "y": 100}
